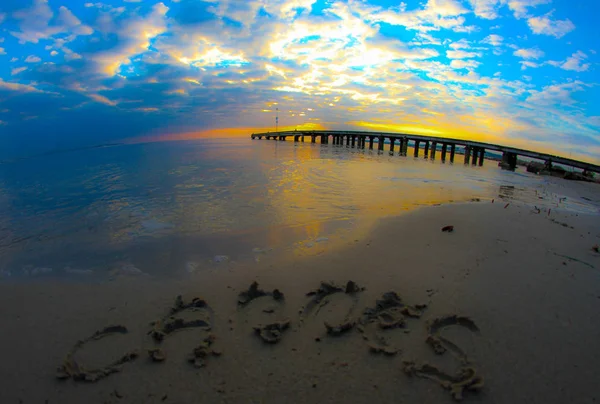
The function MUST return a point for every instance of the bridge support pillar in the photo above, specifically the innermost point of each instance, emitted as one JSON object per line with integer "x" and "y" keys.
{"x": 363, "y": 141}
{"x": 426, "y": 152}
{"x": 474, "y": 155}
{"x": 380, "y": 144}
{"x": 467, "y": 154}
{"x": 452, "y": 151}
{"x": 509, "y": 161}
{"x": 481, "y": 156}
{"x": 313, "y": 138}
{"x": 296, "y": 138}
{"x": 302, "y": 137}
{"x": 405, "y": 146}
{"x": 433, "y": 150}
{"x": 353, "y": 140}
{"x": 444, "y": 149}
{"x": 371, "y": 142}
{"x": 417, "y": 144}
{"x": 392, "y": 142}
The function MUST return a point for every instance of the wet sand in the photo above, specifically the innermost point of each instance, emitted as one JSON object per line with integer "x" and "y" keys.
{"x": 516, "y": 293}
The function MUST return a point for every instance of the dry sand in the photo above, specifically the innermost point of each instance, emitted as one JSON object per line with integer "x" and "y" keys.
{"x": 529, "y": 281}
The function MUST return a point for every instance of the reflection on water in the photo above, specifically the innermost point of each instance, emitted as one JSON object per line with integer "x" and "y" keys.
{"x": 168, "y": 207}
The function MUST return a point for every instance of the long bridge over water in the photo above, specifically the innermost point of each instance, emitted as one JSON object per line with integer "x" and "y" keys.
{"x": 473, "y": 151}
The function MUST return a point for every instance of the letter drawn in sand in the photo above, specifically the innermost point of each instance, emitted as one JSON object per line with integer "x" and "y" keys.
{"x": 390, "y": 312}
{"x": 71, "y": 368}
{"x": 467, "y": 377}
{"x": 272, "y": 332}
{"x": 170, "y": 324}
{"x": 322, "y": 296}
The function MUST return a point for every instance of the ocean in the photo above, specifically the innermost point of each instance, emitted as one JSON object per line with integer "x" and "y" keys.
{"x": 173, "y": 208}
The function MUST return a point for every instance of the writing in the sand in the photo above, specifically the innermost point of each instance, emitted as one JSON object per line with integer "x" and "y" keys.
{"x": 387, "y": 314}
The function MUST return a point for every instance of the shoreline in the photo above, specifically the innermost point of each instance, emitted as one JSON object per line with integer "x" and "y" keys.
{"x": 530, "y": 285}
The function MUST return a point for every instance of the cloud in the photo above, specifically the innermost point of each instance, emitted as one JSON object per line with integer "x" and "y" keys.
{"x": 17, "y": 70}
{"x": 520, "y": 8}
{"x": 2, "y": 17}
{"x": 39, "y": 22}
{"x": 556, "y": 94}
{"x": 545, "y": 26}
{"x": 493, "y": 39}
{"x": 487, "y": 9}
{"x": 149, "y": 68}
{"x": 102, "y": 99}
{"x": 436, "y": 15}
{"x": 532, "y": 53}
{"x": 460, "y": 44}
{"x": 2, "y": 51}
{"x": 134, "y": 36}
{"x": 526, "y": 63}
{"x": 459, "y": 54}
{"x": 17, "y": 87}
{"x": 573, "y": 63}
{"x": 32, "y": 59}
{"x": 464, "y": 64}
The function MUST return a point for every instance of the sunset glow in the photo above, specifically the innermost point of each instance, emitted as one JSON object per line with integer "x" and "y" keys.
{"x": 516, "y": 72}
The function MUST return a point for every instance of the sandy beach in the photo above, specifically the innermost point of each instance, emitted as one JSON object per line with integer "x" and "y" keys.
{"x": 504, "y": 309}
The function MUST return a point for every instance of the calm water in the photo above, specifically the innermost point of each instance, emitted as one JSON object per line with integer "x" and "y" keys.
{"x": 177, "y": 207}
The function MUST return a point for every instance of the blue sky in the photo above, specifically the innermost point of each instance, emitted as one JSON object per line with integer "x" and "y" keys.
{"x": 515, "y": 72}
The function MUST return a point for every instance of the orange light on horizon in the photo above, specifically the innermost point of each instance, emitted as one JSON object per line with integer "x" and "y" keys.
{"x": 222, "y": 133}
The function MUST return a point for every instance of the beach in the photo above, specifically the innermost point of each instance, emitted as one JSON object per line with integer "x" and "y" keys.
{"x": 514, "y": 289}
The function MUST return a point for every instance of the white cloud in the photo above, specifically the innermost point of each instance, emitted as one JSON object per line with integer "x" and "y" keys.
{"x": 520, "y": 8}
{"x": 532, "y": 53}
{"x": 12, "y": 60}
{"x": 53, "y": 53}
{"x": 17, "y": 70}
{"x": 493, "y": 39}
{"x": 423, "y": 38}
{"x": 545, "y": 26}
{"x": 527, "y": 63}
{"x": 464, "y": 64}
{"x": 24, "y": 88}
{"x": 35, "y": 23}
{"x": 134, "y": 38}
{"x": 487, "y": 9}
{"x": 2, "y": 52}
{"x": 459, "y": 54}
{"x": 573, "y": 63}
{"x": 32, "y": 59}
{"x": 461, "y": 44}
{"x": 2, "y": 17}
{"x": 556, "y": 94}
{"x": 436, "y": 15}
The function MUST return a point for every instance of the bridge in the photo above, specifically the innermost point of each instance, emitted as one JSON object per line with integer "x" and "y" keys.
{"x": 473, "y": 151}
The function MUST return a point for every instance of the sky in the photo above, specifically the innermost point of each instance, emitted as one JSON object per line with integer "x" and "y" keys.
{"x": 522, "y": 73}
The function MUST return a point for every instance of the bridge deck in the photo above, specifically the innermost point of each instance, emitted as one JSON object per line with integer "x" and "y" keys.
{"x": 489, "y": 146}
